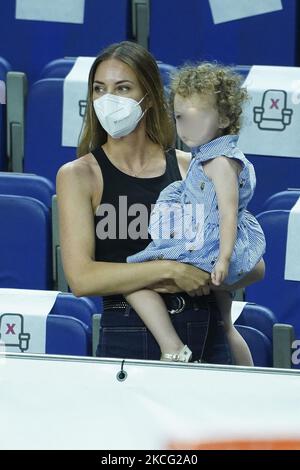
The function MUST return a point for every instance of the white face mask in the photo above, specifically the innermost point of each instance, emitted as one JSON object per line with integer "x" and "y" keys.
{"x": 118, "y": 115}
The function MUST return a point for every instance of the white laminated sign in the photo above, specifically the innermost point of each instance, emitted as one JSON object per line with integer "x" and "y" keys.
{"x": 292, "y": 257}
{"x": 271, "y": 118}
{"x": 60, "y": 11}
{"x": 23, "y": 319}
{"x": 75, "y": 100}
{"x": 229, "y": 10}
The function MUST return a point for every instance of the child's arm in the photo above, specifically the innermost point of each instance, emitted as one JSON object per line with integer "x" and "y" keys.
{"x": 224, "y": 174}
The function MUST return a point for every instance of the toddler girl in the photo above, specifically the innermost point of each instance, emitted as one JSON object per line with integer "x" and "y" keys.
{"x": 203, "y": 220}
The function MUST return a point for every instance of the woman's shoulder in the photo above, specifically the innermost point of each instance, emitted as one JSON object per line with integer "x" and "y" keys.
{"x": 80, "y": 168}
{"x": 80, "y": 171}
{"x": 184, "y": 160}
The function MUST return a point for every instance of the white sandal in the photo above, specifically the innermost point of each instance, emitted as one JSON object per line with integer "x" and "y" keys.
{"x": 184, "y": 355}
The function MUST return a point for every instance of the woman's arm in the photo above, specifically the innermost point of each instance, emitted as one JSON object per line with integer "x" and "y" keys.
{"x": 86, "y": 276}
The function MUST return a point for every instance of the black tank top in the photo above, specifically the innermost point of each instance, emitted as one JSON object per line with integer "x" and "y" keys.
{"x": 125, "y": 207}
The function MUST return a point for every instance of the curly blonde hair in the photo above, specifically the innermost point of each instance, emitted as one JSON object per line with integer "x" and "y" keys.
{"x": 206, "y": 78}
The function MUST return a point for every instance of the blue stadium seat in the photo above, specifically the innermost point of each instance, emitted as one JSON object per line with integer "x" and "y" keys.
{"x": 259, "y": 345}
{"x": 60, "y": 68}
{"x": 279, "y": 335}
{"x": 45, "y": 156}
{"x": 259, "y": 317}
{"x": 4, "y": 68}
{"x": 82, "y": 308}
{"x": 276, "y": 293}
{"x": 23, "y": 184}
{"x": 181, "y": 32}
{"x": 166, "y": 71}
{"x": 67, "y": 335}
{"x": 273, "y": 174}
{"x": 25, "y": 243}
{"x": 43, "y": 41}
{"x": 283, "y": 200}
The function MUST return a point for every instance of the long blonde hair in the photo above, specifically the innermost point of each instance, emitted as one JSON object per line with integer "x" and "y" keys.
{"x": 159, "y": 124}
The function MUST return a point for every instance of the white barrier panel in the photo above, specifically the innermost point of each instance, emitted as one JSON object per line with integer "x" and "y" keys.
{"x": 228, "y": 10}
{"x": 75, "y": 100}
{"x": 236, "y": 309}
{"x": 69, "y": 403}
{"x": 271, "y": 119}
{"x": 23, "y": 318}
{"x": 292, "y": 257}
{"x": 61, "y": 11}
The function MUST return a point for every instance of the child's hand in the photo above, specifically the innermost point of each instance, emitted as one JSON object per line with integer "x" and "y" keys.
{"x": 220, "y": 272}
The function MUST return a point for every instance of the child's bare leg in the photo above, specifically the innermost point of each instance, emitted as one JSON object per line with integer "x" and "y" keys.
{"x": 151, "y": 309}
{"x": 257, "y": 274}
{"x": 238, "y": 346}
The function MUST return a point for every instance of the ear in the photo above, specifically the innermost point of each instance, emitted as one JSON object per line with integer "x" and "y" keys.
{"x": 148, "y": 102}
{"x": 224, "y": 122}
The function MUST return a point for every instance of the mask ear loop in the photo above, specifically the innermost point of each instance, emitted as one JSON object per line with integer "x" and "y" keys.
{"x": 139, "y": 102}
{"x": 144, "y": 112}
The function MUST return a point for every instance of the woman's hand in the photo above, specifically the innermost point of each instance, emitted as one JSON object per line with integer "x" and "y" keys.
{"x": 165, "y": 287}
{"x": 187, "y": 278}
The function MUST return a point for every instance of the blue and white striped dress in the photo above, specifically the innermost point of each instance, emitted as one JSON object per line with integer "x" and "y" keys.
{"x": 176, "y": 225}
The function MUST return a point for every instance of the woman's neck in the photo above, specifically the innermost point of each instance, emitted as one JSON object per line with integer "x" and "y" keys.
{"x": 132, "y": 150}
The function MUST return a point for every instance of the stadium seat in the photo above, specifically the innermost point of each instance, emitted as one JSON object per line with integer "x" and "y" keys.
{"x": 284, "y": 200}
{"x": 273, "y": 174}
{"x": 259, "y": 345}
{"x": 259, "y": 317}
{"x": 67, "y": 335}
{"x": 280, "y": 295}
{"x": 60, "y": 68}
{"x": 86, "y": 309}
{"x": 43, "y": 41}
{"x": 166, "y": 71}
{"x": 44, "y": 157}
{"x": 186, "y": 32}
{"x": 23, "y": 184}
{"x": 25, "y": 243}
{"x": 33, "y": 186}
{"x": 82, "y": 308}
{"x": 4, "y": 68}
{"x": 280, "y": 336}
